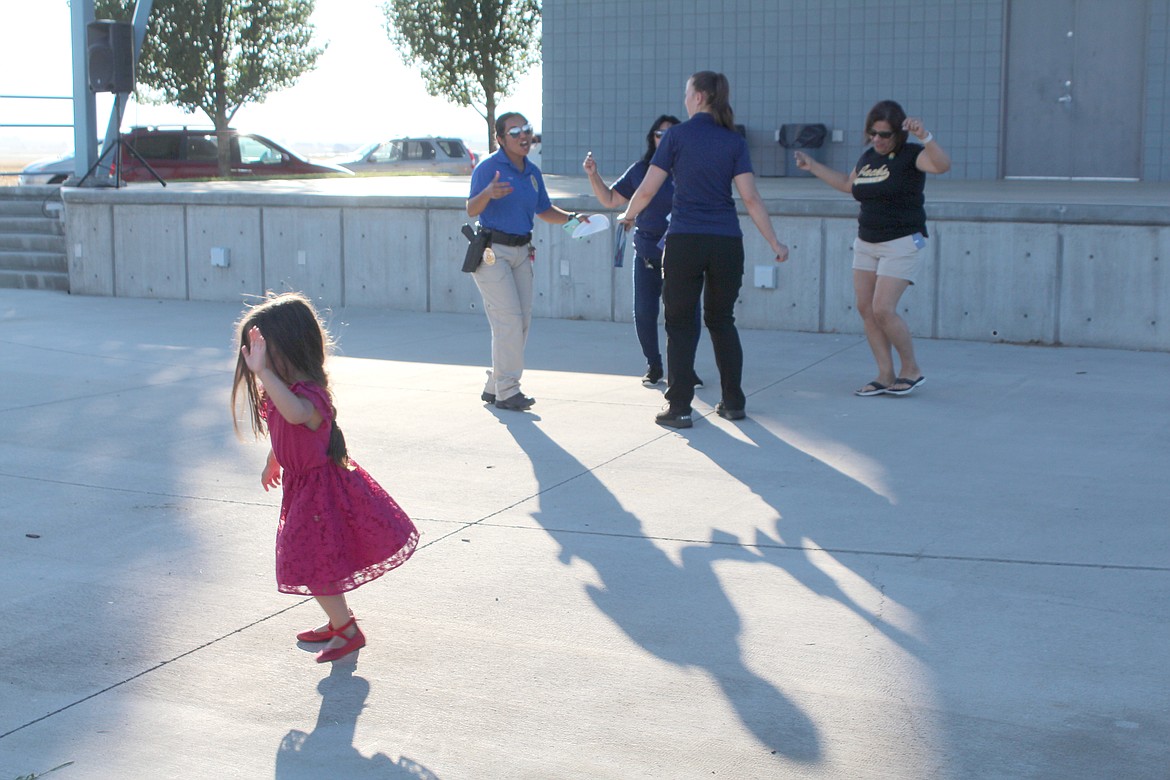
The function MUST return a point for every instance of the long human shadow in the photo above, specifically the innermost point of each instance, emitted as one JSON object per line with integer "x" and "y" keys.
{"x": 678, "y": 612}
{"x": 328, "y": 750}
{"x": 748, "y": 462}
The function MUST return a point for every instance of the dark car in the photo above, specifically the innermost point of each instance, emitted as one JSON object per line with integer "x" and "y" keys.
{"x": 188, "y": 153}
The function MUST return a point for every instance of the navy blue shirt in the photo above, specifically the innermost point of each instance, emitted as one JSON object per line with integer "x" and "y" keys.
{"x": 652, "y": 221}
{"x": 890, "y": 190}
{"x": 703, "y": 157}
{"x": 514, "y": 213}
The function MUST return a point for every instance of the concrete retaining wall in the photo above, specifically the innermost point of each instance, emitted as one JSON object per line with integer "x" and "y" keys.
{"x": 991, "y": 273}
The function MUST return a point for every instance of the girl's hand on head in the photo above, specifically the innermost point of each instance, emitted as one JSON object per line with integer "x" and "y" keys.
{"x": 255, "y": 352}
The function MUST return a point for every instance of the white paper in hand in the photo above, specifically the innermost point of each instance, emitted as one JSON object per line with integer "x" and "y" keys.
{"x": 596, "y": 224}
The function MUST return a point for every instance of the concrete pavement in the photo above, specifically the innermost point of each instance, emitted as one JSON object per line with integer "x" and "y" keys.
{"x": 969, "y": 582}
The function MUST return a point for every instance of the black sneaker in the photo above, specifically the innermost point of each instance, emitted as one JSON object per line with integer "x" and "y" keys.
{"x": 653, "y": 376}
{"x": 487, "y": 398}
{"x": 672, "y": 419}
{"x": 729, "y": 414}
{"x": 698, "y": 381}
{"x": 516, "y": 403}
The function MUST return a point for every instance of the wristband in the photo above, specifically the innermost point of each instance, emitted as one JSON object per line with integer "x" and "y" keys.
{"x": 928, "y": 139}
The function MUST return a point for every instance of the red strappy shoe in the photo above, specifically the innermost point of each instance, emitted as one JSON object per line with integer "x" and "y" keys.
{"x": 313, "y": 635}
{"x": 352, "y": 643}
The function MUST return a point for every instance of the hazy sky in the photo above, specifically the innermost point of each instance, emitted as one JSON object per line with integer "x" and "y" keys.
{"x": 361, "y": 91}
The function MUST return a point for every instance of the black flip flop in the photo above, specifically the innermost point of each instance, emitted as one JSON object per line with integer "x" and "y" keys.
{"x": 913, "y": 383}
{"x": 878, "y": 389}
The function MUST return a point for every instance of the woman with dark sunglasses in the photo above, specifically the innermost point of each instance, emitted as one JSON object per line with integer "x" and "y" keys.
{"x": 704, "y": 254}
{"x": 888, "y": 181}
{"x": 507, "y": 193}
{"x": 649, "y": 231}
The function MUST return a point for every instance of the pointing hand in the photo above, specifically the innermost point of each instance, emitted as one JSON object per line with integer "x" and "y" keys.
{"x": 499, "y": 189}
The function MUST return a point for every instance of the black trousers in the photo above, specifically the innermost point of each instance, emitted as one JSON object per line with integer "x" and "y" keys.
{"x": 710, "y": 266}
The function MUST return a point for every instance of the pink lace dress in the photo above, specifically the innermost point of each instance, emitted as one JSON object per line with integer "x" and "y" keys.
{"x": 338, "y": 528}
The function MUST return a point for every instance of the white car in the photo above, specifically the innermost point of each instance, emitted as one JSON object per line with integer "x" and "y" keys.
{"x": 411, "y": 155}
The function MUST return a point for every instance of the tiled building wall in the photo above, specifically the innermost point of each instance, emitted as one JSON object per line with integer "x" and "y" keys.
{"x": 611, "y": 66}
{"x": 1156, "y": 127}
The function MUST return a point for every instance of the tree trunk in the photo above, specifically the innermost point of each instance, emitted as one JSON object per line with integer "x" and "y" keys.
{"x": 490, "y": 113}
{"x": 219, "y": 60}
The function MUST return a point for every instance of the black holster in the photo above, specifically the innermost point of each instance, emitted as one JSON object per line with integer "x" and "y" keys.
{"x": 479, "y": 238}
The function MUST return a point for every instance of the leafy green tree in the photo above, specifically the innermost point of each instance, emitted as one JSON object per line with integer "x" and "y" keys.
{"x": 469, "y": 51}
{"x": 217, "y": 56}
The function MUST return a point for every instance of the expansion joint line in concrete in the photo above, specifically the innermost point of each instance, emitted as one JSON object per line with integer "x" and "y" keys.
{"x": 916, "y": 556}
{"x": 154, "y": 668}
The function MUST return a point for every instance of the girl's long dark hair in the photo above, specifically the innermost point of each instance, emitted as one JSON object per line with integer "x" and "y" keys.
{"x": 887, "y": 111}
{"x": 297, "y": 344}
{"x": 718, "y": 91}
{"x": 650, "y": 148}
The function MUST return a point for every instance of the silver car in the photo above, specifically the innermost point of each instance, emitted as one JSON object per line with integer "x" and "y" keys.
{"x": 51, "y": 170}
{"x": 411, "y": 155}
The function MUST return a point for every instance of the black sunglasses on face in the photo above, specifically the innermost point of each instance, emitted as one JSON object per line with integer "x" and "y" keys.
{"x": 886, "y": 134}
{"x": 659, "y": 133}
{"x": 516, "y": 132}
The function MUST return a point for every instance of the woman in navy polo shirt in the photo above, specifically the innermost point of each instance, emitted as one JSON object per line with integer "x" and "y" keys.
{"x": 704, "y": 243}
{"x": 650, "y": 229}
{"x": 507, "y": 192}
{"x": 888, "y": 181}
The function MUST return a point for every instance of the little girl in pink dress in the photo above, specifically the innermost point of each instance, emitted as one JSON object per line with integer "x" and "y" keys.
{"x": 338, "y": 528}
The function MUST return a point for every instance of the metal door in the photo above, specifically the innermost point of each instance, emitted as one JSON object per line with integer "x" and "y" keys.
{"x": 1074, "y": 89}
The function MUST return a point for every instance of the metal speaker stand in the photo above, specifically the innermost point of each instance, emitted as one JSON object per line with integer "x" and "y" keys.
{"x": 116, "y": 147}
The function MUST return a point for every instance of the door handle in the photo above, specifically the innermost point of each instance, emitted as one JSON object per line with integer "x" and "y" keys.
{"x": 1064, "y": 99}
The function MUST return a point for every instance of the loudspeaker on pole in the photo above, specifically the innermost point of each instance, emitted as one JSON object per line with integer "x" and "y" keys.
{"x": 109, "y": 48}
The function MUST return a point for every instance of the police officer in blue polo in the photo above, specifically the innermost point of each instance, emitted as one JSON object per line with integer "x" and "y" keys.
{"x": 507, "y": 191}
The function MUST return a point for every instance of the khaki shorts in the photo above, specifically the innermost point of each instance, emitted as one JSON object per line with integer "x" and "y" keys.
{"x": 897, "y": 258}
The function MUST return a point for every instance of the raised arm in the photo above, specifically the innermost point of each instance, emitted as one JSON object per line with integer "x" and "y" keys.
{"x": 933, "y": 158}
{"x": 835, "y": 179}
{"x": 605, "y": 194}
{"x": 297, "y": 410}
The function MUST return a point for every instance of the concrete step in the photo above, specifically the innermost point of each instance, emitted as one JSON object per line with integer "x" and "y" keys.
{"x": 29, "y": 193}
{"x": 30, "y": 202}
{"x": 33, "y": 280}
{"x": 31, "y": 209}
{"x": 24, "y": 208}
{"x": 38, "y": 225}
{"x": 32, "y": 239}
{"x": 23, "y": 261}
{"x": 35, "y": 242}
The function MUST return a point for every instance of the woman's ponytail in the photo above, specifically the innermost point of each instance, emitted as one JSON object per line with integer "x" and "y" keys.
{"x": 718, "y": 91}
